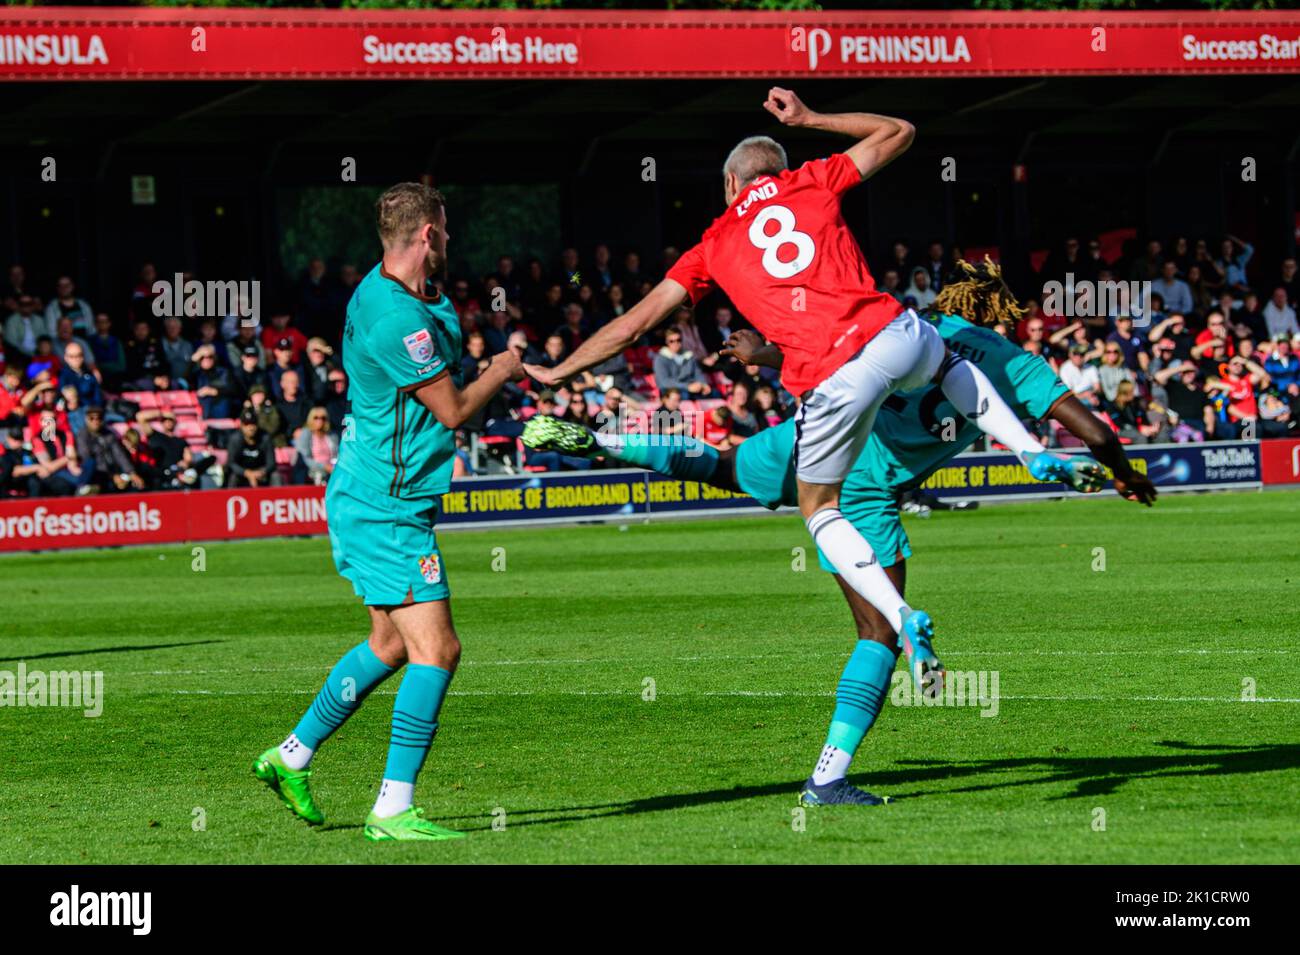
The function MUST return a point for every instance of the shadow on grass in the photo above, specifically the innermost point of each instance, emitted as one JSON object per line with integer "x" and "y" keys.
{"x": 78, "y": 653}
{"x": 1091, "y": 776}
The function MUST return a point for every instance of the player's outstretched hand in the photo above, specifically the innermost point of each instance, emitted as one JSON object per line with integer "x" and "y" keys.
{"x": 786, "y": 106}
{"x": 743, "y": 345}
{"x": 543, "y": 376}
{"x": 510, "y": 361}
{"x": 1137, "y": 488}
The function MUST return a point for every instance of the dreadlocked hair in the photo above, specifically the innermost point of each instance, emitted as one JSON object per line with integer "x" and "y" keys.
{"x": 978, "y": 293}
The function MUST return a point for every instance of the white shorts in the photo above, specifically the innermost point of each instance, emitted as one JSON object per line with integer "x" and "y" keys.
{"x": 835, "y": 418}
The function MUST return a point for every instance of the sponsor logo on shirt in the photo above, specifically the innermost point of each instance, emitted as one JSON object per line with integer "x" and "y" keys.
{"x": 419, "y": 345}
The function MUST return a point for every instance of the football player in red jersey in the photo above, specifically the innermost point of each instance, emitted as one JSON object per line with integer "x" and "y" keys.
{"x": 785, "y": 257}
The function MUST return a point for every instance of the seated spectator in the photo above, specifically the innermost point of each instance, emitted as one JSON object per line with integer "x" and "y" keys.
{"x": 77, "y": 376}
{"x": 282, "y": 352}
{"x": 24, "y": 328}
{"x": 110, "y": 356}
{"x": 74, "y": 409}
{"x": 1216, "y": 330}
{"x": 1234, "y": 256}
{"x": 1173, "y": 290}
{"x": 247, "y": 374}
{"x": 20, "y": 472}
{"x": 1279, "y": 316}
{"x": 250, "y": 456}
{"x": 1191, "y": 415}
{"x": 675, "y": 367}
{"x": 1081, "y": 377}
{"x": 1130, "y": 419}
{"x": 578, "y": 411}
{"x": 717, "y": 428}
{"x": 475, "y": 360}
{"x": 553, "y": 352}
{"x": 317, "y": 446}
{"x": 210, "y": 334}
{"x": 268, "y": 417}
{"x": 293, "y": 404}
{"x": 920, "y": 291}
{"x": 668, "y": 420}
{"x": 17, "y": 404}
{"x": 1174, "y": 327}
{"x": 1248, "y": 319}
{"x": 1238, "y": 382}
{"x": 65, "y": 304}
{"x": 177, "y": 466}
{"x": 1113, "y": 372}
{"x": 16, "y": 287}
{"x": 1211, "y": 356}
{"x": 574, "y": 330}
{"x": 280, "y": 329}
{"x": 55, "y": 450}
{"x": 177, "y": 352}
{"x": 1131, "y": 344}
{"x": 336, "y": 405}
{"x": 316, "y": 371}
{"x": 64, "y": 338}
{"x": 46, "y": 361}
{"x": 246, "y": 337}
{"x": 146, "y": 368}
{"x": 106, "y": 461}
{"x": 213, "y": 385}
{"x": 498, "y": 331}
{"x": 1275, "y": 417}
{"x": 1283, "y": 366}
{"x": 744, "y": 424}
{"x": 767, "y": 408}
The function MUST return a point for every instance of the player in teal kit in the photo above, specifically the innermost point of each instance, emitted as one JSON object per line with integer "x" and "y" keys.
{"x": 906, "y": 445}
{"x": 401, "y": 351}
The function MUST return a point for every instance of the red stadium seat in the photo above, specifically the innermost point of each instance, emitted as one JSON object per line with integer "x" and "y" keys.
{"x": 147, "y": 400}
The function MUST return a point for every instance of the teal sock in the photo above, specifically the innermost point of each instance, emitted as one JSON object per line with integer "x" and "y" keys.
{"x": 858, "y": 699}
{"x": 353, "y": 677}
{"x": 415, "y": 720}
{"x": 674, "y": 455}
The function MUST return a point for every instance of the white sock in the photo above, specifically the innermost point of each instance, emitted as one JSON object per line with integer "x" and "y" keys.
{"x": 855, "y": 561}
{"x": 974, "y": 396}
{"x": 295, "y": 753}
{"x": 833, "y": 765}
{"x": 394, "y": 797}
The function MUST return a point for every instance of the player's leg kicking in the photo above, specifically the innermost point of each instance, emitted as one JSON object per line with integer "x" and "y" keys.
{"x": 835, "y": 420}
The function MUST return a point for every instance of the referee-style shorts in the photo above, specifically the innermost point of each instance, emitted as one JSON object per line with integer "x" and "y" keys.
{"x": 835, "y": 418}
{"x": 384, "y": 545}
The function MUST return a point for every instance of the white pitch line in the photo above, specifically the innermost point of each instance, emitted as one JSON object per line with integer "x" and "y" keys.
{"x": 778, "y": 694}
{"x": 731, "y": 658}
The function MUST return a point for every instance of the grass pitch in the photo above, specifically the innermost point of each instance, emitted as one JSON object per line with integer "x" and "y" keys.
{"x": 1121, "y": 696}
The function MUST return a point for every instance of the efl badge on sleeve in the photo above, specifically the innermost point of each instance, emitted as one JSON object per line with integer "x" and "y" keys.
{"x": 431, "y": 569}
{"x": 419, "y": 345}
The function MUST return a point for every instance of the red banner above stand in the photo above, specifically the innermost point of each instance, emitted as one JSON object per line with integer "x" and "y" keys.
{"x": 77, "y": 43}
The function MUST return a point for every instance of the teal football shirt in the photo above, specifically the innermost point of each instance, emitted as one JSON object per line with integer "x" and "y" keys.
{"x": 907, "y": 442}
{"x": 394, "y": 339}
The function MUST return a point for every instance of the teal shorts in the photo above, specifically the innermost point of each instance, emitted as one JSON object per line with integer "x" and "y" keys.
{"x": 875, "y": 515}
{"x": 384, "y": 545}
{"x": 765, "y": 471}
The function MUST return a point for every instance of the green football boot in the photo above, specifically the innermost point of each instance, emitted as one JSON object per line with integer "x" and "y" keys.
{"x": 545, "y": 433}
{"x": 407, "y": 825}
{"x": 291, "y": 785}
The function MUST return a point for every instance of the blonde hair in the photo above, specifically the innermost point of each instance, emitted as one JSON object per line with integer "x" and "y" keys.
{"x": 979, "y": 294}
{"x": 405, "y": 209}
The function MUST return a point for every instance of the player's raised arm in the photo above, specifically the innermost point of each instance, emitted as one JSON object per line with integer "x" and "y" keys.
{"x": 616, "y": 336}
{"x": 881, "y": 139}
{"x": 1105, "y": 447}
{"x": 454, "y": 406}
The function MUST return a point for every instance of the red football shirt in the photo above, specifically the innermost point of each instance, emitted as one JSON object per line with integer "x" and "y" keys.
{"x": 784, "y": 255}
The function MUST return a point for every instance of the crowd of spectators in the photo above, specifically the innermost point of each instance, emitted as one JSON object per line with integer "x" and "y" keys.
{"x": 1211, "y": 356}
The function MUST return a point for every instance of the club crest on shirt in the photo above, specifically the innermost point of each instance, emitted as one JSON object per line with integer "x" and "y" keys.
{"x": 419, "y": 345}
{"x": 431, "y": 569}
